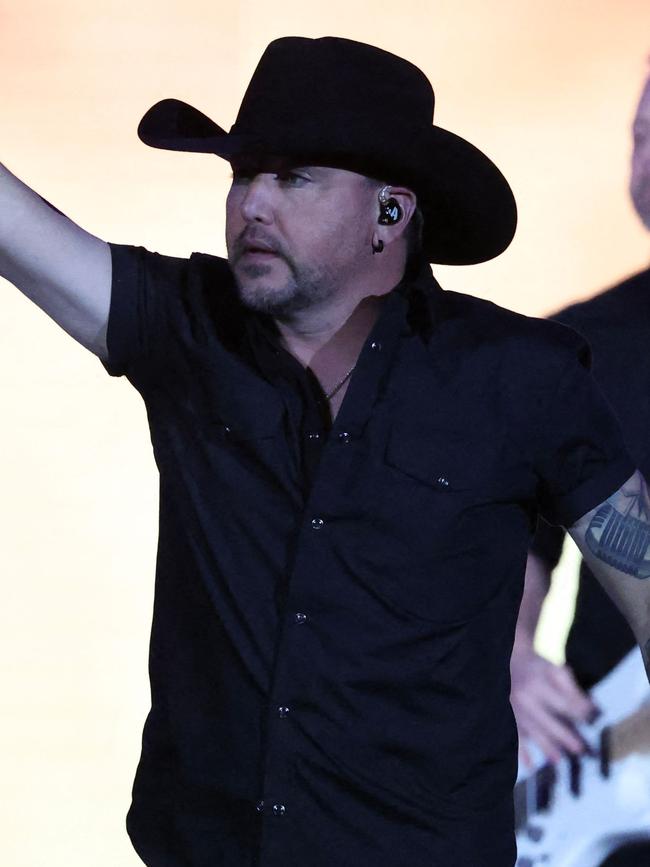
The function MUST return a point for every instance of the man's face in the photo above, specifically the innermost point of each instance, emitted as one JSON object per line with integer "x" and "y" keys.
{"x": 640, "y": 178}
{"x": 297, "y": 235}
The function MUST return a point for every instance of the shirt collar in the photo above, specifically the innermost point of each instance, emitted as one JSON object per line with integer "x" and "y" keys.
{"x": 423, "y": 295}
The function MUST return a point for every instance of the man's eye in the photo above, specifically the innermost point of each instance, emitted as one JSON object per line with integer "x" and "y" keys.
{"x": 291, "y": 179}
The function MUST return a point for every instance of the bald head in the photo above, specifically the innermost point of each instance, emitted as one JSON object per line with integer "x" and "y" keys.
{"x": 640, "y": 177}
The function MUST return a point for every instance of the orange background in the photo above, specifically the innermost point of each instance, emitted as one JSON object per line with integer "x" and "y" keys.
{"x": 547, "y": 89}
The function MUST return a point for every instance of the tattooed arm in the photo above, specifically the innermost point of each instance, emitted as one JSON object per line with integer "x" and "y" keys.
{"x": 614, "y": 539}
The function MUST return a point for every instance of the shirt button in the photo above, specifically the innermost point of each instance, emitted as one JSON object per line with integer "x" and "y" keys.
{"x": 376, "y": 346}
{"x": 313, "y": 435}
{"x": 259, "y": 806}
{"x": 283, "y": 712}
{"x": 344, "y": 437}
{"x": 299, "y": 617}
{"x": 317, "y": 524}
{"x": 279, "y": 809}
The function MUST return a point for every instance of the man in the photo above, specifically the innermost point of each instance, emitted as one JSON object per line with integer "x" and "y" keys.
{"x": 550, "y": 700}
{"x": 351, "y": 461}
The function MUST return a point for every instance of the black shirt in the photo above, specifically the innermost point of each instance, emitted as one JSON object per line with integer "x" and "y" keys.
{"x": 617, "y": 325}
{"x": 335, "y": 609}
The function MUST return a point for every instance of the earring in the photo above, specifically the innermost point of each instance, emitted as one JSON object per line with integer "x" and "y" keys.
{"x": 378, "y": 247}
{"x": 389, "y": 209}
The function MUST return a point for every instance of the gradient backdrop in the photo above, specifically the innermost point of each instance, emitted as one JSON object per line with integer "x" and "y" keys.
{"x": 546, "y": 88}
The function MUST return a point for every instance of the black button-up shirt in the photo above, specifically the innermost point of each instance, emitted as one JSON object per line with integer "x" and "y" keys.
{"x": 335, "y": 608}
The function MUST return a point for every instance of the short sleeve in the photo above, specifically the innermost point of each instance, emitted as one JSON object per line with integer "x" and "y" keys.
{"x": 145, "y": 299}
{"x": 582, "y": 458}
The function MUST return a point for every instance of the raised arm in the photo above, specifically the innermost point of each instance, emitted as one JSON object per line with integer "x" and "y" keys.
{"x": 614, "y": 539}
{"x": 61, "y": 267}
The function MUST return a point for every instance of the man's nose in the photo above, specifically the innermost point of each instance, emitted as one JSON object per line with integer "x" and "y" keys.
{"x": 257, "y": 204}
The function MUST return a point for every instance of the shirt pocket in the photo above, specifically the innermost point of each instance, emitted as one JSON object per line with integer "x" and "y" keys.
{"x": 233, "y": 403}
{"x": 444, "y": 461}
{"x": 438, "y": 525}
{"x": 243, "y": 434}
{"x": 217, "y": 422}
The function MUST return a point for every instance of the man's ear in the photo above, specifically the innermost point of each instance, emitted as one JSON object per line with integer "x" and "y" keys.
{"x": 395, "y": 209}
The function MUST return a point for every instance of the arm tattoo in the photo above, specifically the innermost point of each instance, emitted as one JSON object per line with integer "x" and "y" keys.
{"x": 619, "y": 532}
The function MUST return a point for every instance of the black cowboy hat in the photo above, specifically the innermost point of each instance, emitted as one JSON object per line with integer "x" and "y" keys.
{"x": 336, "y": 102}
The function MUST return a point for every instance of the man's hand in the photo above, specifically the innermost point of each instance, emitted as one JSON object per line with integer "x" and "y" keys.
{"x": 547, "y": 703}
{"x": 545, "y": 698}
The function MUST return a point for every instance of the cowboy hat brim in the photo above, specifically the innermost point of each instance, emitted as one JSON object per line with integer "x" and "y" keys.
{"x": 469, "y": 210}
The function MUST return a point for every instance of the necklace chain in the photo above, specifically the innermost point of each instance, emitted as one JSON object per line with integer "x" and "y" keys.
{"x": 330, "y": 394}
